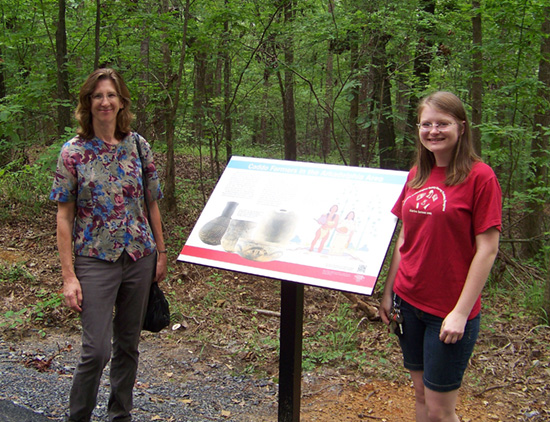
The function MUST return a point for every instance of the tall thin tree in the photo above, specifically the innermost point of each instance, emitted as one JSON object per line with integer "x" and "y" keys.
{"x": 355, "y": 70}
{"x": 477, "y": 75}
{"x": 173, "y": 88}
{"x": 541, "y": 156}
{"x": 287, "y": 85}
{"x": 63, "y": 110}
{"x": 421, "y": 73}
{"x": 385, "y": 126}
{"x": 3, "y": 91}
{"x": 326, "y": 132}
{"x": 534, "y": 227}
{"x": 97, "y": 33}
{"x": 227, "y": 122}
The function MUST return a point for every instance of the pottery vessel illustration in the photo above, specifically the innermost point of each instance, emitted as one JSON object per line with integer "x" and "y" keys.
{"x": 270, "y": 238}
{"x": 212, "y": 232}
{"x": 236, "y": 230}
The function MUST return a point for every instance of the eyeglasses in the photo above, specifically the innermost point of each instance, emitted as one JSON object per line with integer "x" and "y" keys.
{"x": 99, "y": 97}
{"x": 427, "y": 127}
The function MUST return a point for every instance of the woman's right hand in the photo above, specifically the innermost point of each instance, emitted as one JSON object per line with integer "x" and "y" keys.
{"x": 71, "y": 286}
{"x": 73, "y": 293}
{"x": 385, "y": 308}
{"x": 387, "y": 297}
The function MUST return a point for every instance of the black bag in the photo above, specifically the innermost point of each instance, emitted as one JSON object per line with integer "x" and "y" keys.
{"x": 158, "y": 312}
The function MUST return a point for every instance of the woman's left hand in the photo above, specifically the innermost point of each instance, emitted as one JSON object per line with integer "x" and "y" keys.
{"x": 162, "y": 267}
{"x": 452, "y": 328}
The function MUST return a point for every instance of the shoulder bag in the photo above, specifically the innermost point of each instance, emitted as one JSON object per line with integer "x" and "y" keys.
{"x": 157, "y": 316}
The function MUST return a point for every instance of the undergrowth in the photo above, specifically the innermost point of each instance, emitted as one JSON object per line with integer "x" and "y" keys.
{"x": 37, "y": 314}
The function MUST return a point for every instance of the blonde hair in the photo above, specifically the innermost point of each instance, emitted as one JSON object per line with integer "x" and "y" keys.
{"x": 464, "y": 155}
{"x": 83, "y": 111}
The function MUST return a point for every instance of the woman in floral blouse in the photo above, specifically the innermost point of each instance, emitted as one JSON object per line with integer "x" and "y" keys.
{"x": 103, "y": 220}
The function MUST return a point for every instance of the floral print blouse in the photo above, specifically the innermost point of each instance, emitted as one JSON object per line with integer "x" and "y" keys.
{"x": 106, "y": 184}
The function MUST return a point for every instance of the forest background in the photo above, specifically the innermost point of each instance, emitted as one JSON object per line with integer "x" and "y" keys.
{"x": 323, "y": 81}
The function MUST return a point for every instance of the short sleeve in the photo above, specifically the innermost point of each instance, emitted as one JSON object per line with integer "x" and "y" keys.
{"x": 150, "y": 170}
{"x": 397, "y": 209}
{"x": 64, "y": 187}
{"x": 487, "y": 202}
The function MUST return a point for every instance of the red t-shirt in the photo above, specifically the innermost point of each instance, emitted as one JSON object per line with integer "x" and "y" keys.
{"x": 440, "y": 224}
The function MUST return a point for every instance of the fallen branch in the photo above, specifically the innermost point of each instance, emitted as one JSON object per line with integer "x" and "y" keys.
{"x": 527, "y": 270}
{"x": 362, "y": 415}
{"x": 260, "y": 311}
{"x": 493, "y": 387}
{"x": 39, "y": 235}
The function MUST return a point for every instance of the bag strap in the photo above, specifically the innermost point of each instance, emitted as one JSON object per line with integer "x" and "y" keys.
{"x": 143, "y": 179}
{"x": 144, "y": 182}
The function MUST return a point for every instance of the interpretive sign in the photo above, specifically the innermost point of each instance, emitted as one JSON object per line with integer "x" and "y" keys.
{"x": 323, "y": 225}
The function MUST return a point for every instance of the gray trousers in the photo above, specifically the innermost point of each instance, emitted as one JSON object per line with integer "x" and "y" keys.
{"x": 122, "y": 286}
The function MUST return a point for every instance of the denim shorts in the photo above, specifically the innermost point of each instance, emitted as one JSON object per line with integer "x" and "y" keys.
{"x": 443, "y": 364}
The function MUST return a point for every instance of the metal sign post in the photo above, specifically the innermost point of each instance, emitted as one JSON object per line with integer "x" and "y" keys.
{"x": 290, "y": 356}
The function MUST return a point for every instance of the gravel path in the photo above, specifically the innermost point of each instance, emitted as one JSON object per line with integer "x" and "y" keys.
{"x": 175, "y": 383}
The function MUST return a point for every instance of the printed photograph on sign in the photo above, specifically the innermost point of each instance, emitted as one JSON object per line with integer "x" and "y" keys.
{"x": 324, "y": 225}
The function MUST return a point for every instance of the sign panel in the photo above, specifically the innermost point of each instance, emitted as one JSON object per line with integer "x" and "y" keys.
{"x": 323, "y": 225}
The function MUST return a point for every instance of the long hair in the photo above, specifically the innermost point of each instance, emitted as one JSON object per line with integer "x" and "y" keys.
{"x": 464, "y": 155}
{"x": 83, "y": 111}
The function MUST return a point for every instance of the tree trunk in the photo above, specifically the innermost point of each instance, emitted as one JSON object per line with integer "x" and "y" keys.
{"x": 97, "y": 32}
{"x": 169, "y": 188}
{"x": 227, "y": 122}
{"x": 63, "y": 111}
{"x": 546, "y": 298}
{"x": 173, "y": 86}
{"x": 386, "y": 130}
{"x": 534, "y": 226}
{"x": 383, "y": 103}
{"x": 264, "y": 124}
{"x": 354, "y": 104}
{"x": 198, "y": 99}
{"x": 326, "y": 131}
{"x": 141, "y": 124}
{"x": 358, "y": 105}
{"x": 422, "y": 66}
{"x": 289, "y": 112}
{"x": 477, "y": 76}
{"x": 218, "y": 87}
{"x": 542, "y": 120}
{"x": 3, "y": 91}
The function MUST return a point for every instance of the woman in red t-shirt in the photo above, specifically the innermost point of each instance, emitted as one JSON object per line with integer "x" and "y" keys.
{"x": 451, "y": 212}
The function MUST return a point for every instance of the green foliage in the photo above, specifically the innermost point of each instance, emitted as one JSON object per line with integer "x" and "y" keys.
{"x": 10, "y": 125}
{"x": 28, "y": 42}
{"x": 23, "y": 187}
{"x": 14, "y": 273}
{"x": 517, "y": 294}
{"x": 336, "y": 342}
{"x": 47, "y": 302}
{"x": 36, "y": 313}
{"x": 192, "y": 195}
{"x": 14, "y": 319}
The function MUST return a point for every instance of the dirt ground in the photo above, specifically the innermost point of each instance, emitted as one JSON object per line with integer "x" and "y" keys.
{"x": 390, "y": 401}
{"x": 508, "y": 378}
